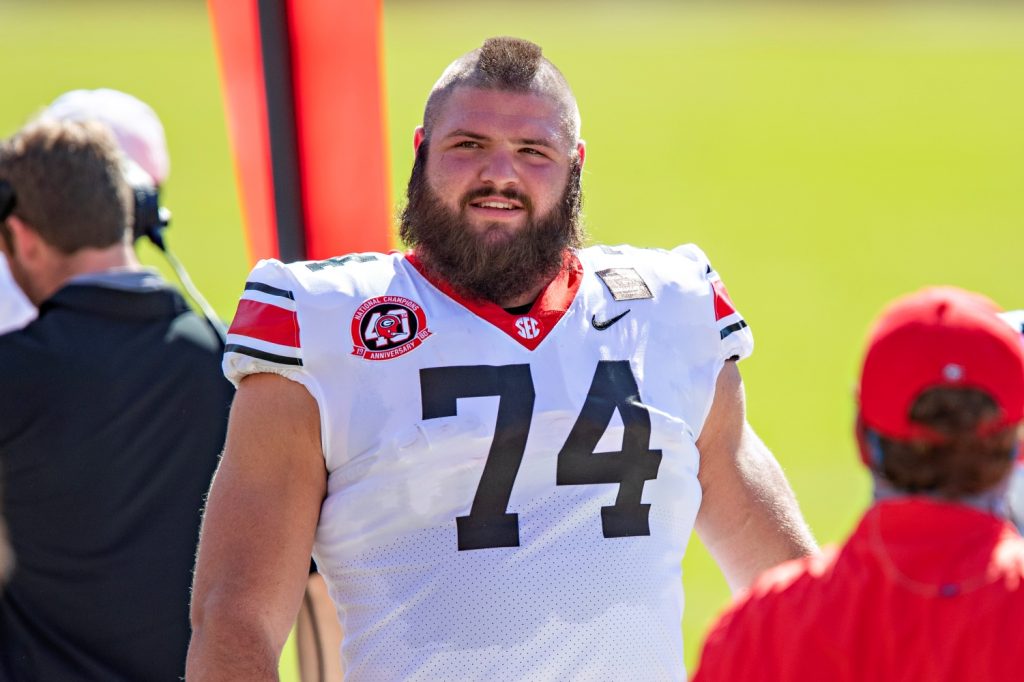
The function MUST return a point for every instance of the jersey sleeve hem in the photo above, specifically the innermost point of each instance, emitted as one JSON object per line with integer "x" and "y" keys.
{"x": 265, "y": 336}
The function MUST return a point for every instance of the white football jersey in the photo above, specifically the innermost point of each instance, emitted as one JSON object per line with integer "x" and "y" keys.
{"x": 15, "y": 309}
{"x": 509, "y": 495}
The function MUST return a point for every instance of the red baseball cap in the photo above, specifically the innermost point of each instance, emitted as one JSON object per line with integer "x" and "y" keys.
{"x": 939, "y": 337}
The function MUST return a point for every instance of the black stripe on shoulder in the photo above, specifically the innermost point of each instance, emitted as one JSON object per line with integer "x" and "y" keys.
{"x": 262, "y": 355}
{"x": 733, "y": 328}
{"x": 267, "y": 289}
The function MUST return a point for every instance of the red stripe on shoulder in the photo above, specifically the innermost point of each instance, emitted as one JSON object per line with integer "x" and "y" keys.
{"x": 266, "y": 322}
{"x": 723, "y": 304}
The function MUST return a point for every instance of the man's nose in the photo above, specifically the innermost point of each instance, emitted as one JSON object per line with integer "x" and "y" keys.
{"x": 499, "y": 169}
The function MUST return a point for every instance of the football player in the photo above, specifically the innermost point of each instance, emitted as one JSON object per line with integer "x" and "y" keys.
{"x": 497, "y": 443}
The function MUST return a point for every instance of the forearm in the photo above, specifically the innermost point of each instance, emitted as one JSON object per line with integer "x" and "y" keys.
{"x": 748, "y": 519}
{"x": 762, "y": 526}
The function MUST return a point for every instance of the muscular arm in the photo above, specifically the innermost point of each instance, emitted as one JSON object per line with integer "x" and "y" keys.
{"x": 257, "y": 532}
{"x": 749, "y": 519}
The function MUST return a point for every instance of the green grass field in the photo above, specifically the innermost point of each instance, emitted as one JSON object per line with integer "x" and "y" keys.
{"x": 827, "y": 159}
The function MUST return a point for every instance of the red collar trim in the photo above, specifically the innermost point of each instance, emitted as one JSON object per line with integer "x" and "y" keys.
{"x": 530, "y": 329}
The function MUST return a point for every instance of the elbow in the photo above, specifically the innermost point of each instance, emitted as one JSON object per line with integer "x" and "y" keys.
{"x": 228, "y": 641}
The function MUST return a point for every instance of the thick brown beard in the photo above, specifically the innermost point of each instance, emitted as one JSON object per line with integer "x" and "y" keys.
{"x": 473, "y": 265}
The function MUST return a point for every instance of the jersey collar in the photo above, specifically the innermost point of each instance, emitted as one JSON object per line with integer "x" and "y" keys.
{"x": 531, "y": 328}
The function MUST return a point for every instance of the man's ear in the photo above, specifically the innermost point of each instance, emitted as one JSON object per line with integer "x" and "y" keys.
{"x": 868, "y": 444}
{"x": 417, "y": 139}
{"x": 581, "y": 150}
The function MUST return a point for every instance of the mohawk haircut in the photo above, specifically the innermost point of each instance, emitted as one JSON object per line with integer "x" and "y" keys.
{"x": 509, "y": 64}
{"x": 510, "y": 61}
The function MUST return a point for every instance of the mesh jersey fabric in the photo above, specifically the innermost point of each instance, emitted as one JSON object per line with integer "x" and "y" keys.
{"x": 922, "y": 590}
{"x": 509, "y": 496}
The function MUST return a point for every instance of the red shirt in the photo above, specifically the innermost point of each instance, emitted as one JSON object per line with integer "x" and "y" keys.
{"x": 922, "y": 590}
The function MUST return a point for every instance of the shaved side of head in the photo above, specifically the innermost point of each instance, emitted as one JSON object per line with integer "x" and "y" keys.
{"x": 512, "y": 65}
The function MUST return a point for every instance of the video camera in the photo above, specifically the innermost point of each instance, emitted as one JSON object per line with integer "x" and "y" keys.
{"x": 150, "y": 217}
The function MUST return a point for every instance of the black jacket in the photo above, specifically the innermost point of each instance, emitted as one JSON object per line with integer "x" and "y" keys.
{"x": 113, "y": 411}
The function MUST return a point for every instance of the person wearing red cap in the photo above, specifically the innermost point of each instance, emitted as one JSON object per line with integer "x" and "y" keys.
{"x": 930, "y": 586}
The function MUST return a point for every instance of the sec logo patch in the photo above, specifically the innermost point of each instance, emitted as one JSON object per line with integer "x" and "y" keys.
{"x": 388, "y": 327}
{"x": 528, "y": 327}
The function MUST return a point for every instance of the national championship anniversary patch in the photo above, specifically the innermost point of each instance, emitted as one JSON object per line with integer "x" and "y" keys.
{"x": 388, "y": 327}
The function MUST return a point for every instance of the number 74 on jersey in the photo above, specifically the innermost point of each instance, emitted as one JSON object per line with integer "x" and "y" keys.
{"x": 613, "y": 387}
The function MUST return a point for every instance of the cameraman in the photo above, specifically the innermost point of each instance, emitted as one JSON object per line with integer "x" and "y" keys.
{"x": 140, "y": 136}
{"x": 112, "y": 415}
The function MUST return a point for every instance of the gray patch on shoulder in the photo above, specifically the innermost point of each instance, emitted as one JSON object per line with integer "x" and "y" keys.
{"x": 625, "y": 284}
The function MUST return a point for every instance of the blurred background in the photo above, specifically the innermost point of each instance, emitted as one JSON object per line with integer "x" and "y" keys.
{"x": 826, "y": 156}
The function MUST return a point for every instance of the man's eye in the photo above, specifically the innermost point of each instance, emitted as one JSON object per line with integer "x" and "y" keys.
{"x": 532, "y": 152}
{"x": 468, "y": 144}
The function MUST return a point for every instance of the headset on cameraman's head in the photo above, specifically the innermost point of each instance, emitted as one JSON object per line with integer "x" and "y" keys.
{"x": 149, "y": 220}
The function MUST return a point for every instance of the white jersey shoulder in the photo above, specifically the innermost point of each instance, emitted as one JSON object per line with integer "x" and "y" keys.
{"x": 1015, "y": 492}
{"x": 266, "y": 335}
{"x": 1015, "y": 318}
{"x": 15, "y": 309}
{"x": 686, "y": 274}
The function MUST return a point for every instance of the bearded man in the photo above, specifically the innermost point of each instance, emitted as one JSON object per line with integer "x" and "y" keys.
{"x": 496, "y": 444}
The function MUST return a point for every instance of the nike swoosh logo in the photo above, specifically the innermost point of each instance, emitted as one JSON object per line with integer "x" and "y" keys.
{"x": 606, "y": 323}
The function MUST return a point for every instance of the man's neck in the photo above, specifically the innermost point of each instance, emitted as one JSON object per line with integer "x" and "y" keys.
{"x": 527, "y": 297}
{"x": 992, "y": 500}
{"x": 120, "y": 256}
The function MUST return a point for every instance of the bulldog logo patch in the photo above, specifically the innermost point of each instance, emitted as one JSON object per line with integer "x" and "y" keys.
{"x": 388, "y": 327}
